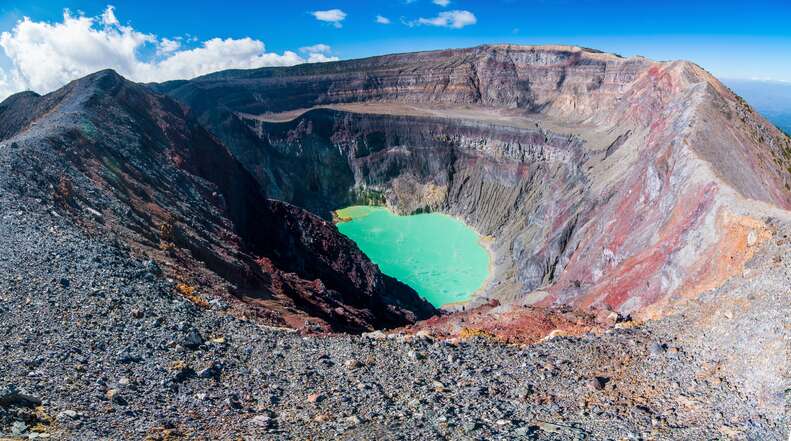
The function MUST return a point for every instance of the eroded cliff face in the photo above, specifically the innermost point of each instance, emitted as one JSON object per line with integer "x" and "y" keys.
{"x": 505, "y": 181}
{"x": 606, "y": 182}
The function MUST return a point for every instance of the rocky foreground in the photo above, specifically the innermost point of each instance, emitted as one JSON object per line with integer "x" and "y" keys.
{"x": 97, "y": 346}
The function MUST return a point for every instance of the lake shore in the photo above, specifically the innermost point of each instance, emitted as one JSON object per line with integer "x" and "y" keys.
{"x": 435, "y": 248}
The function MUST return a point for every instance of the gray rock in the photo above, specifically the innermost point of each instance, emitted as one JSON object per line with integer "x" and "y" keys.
{"x": 152, "y": 267}
{"x": 469, "y": 426}
{"x": 192, "y": 339}
{"x": 10, "y": 395}
{"x": 261, "y": 421}
{"x": 352, "y": 364}
{"x": 657, "y": 348}
{"x": 67, "y": 415}
{"x": 18, "y": 428}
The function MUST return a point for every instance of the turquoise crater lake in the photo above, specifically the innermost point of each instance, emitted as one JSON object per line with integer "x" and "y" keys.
{"x": 437, "y": 255}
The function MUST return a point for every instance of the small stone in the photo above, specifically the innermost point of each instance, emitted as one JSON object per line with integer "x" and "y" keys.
{"x": 126, "y": 356}
{"x": 182, "y": 374}
{"x": 152, "y": 267}
{"x": 193, "y": 339}
{"x": 233, "y": 402}
{"x": 18, "y": 428}
{"x": 206, "y": 373}
{"x": 414, "y": 355}
{"x": 124, "y": 381}
{"x": 502, "y": 422}
{"x": 137, "y": 313}
{"x": 67, "y": 415}
{"x": 598, "y": 383}
{"x": 315, "y": 398}
{"x": 375, "y": 335}
{"x": 64, "y": 282}
{"x": 115, "y": 397}
{"x": 353, "y": 420}
{"x": 657, "y": 348}
{"x": 469, "y": 426}
{"x": 522, "y": 431}
{"x": 352, "y": 364}
{"x": 96, "y": 214}
{"x": 322, "y": 418}
{"x": 752, "y": 238}
{"x": 263, "y": 421}
{"x": 438, "y": 386}
{"x": 424, "y": 335}
{"x": 219, "y": 304}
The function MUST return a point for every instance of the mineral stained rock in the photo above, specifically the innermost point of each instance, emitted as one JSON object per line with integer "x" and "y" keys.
{"x": 609, "y": 182}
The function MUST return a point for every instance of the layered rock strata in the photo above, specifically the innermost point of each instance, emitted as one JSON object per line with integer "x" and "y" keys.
{"x": 609, "y": 182}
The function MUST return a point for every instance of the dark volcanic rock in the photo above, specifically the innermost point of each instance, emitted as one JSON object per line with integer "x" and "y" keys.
{"x": 173, "y": 193}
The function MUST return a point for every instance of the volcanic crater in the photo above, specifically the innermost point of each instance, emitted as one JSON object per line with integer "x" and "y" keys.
{"x": 602, "y": 179}
{"x": 622, "y": 195}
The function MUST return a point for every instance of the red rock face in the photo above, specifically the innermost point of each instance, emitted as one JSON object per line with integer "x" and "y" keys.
{"x": 607, "y": 182}
{"x": 669, "y": 230}
{"x": 513, "y": 325}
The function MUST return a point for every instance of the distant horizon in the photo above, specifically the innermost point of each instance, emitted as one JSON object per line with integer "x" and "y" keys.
{"x": 46, "y": 44}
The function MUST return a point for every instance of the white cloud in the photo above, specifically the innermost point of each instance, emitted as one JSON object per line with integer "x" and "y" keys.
{"x": 213, "y": 55}
{"x": 318, "y": 53}
{"x": 319, "y": 48}
{"x": 448, "y": 19}
{"x": 320, "y": 58}
{"x": 442, "y": 3}
{"x": 108, "y": 17}
{"x": 166, "y": 46}
{"x": 334, "y": 16}
{"x": 45, "y": 56}
{"x": 382, "y": 20}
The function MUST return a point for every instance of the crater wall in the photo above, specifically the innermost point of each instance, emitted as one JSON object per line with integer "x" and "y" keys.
{"x": 606, "y": 181}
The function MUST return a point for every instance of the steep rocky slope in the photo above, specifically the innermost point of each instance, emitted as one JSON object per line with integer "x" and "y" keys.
{"x": 607, "y": 182}
{"x": 123, "y": 162}
{"x": 97, "y": 346}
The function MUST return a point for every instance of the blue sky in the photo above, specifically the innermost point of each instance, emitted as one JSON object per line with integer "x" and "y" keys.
{"x": 733, "y": 39}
